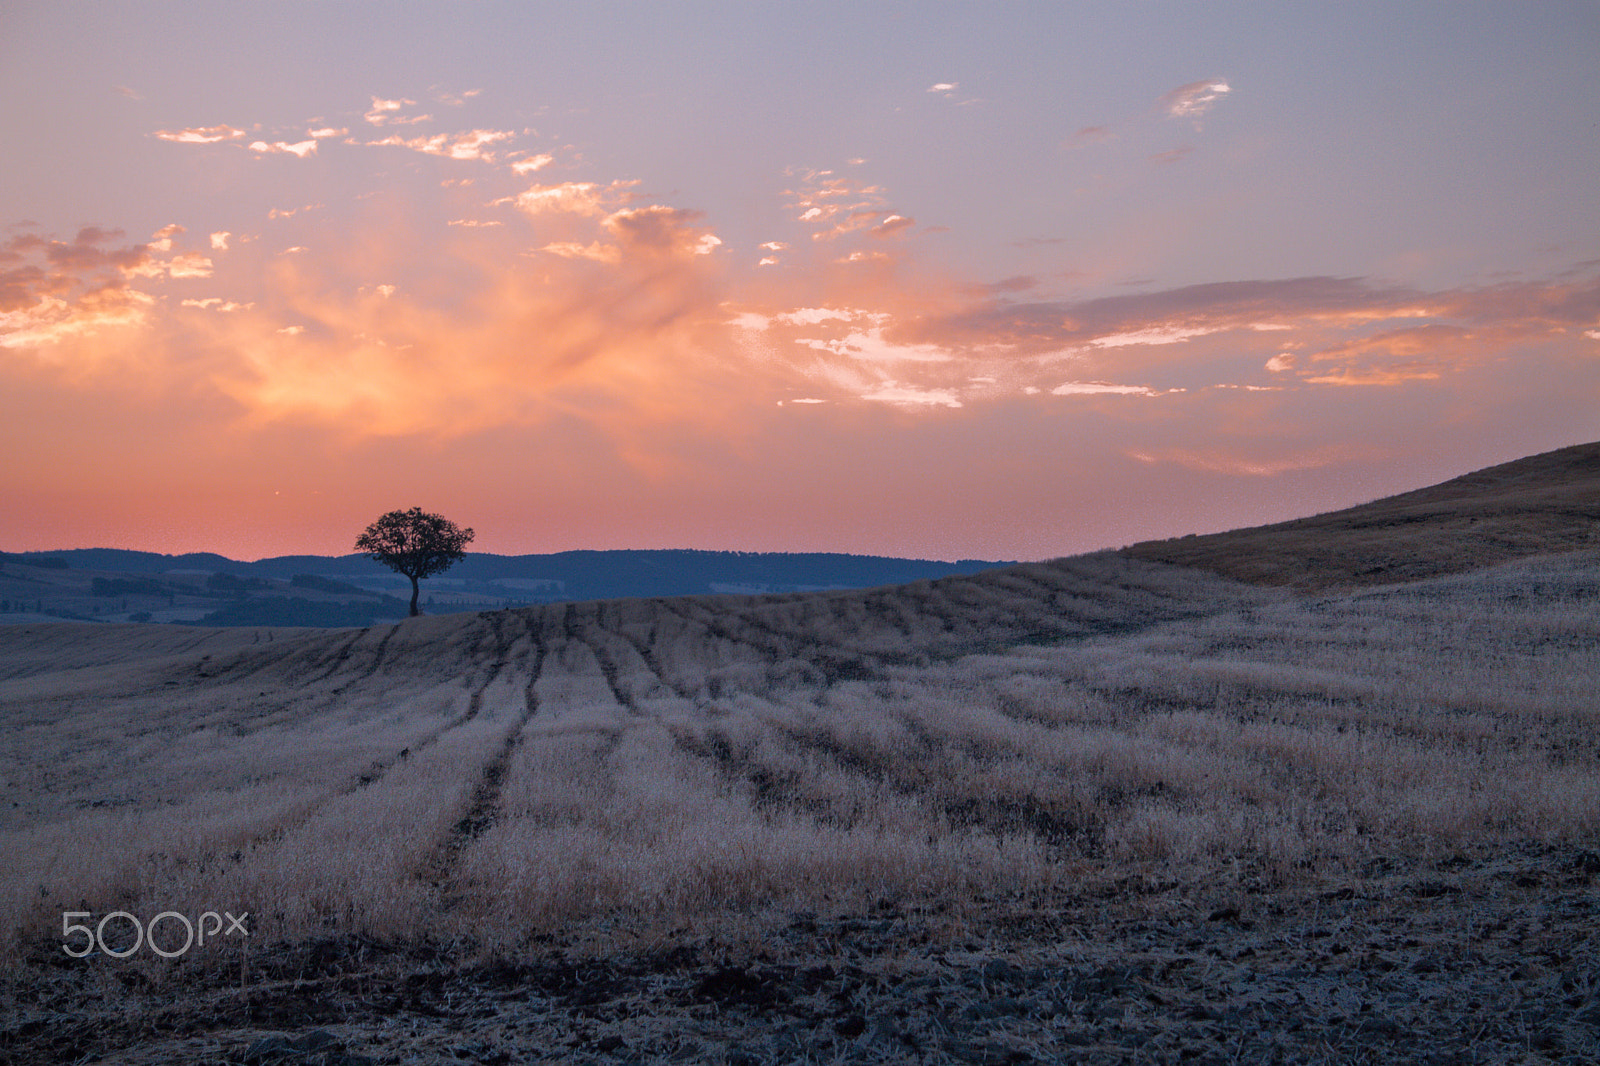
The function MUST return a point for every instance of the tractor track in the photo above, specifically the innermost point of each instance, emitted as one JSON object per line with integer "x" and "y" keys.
{"x": 484, "y": 808}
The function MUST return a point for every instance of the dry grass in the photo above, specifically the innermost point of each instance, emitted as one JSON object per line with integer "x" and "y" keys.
{"x": 494, "y": 777}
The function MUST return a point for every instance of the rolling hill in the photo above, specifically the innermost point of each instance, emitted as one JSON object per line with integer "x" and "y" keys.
{"x": 1539, "y": 505}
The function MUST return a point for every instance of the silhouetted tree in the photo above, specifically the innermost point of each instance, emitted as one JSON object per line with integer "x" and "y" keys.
{"x": 416, "y": 544}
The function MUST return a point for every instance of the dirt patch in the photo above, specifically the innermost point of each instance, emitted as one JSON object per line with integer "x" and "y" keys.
{"x": 1491, "y": 957}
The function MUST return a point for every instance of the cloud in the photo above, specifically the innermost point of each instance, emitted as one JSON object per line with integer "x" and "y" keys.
{"x": 47, "y": 268}
{"x": 907, "y": 395}
{"x": 52, "y": 321}
{"x": 1192, "y": 101}
{"x": 382, "y": 107}
{"x": 469, "y": 145}
{"x": 161, "y": 239}
{"x": 947, "y": 89}
{"x": 573, "y": 197}
{"x": 387, "y": 113}
{"x": 614, "y": 335}
{"x": 840, "y": 205}
{"x": 1101, "y": 388}
{"x": 612, "y": 340}
{"x": 870, "y": 345}
{"x": 1241, "y": 337}
{"x": 1152, "y": 335}
{"x": 891, "y": 225}
{"x": 1165, "y": 316}
{"x": 300, "y": 149}
{"x": 659, "y": 230}
{"x": 55, "y": 292}
{"x": 1385, "y": 376}
{"x": 201, "y": 135}
{"x": 219, "y": 240}
{"x": 1393, "y": 357}
{"x": 600, "y": 253}
{"x": 528, "y": 166}
{"x": 217, "y": 303}
{"x": 1221, "y": 461}
{"x": 812, "y": 315}
{"x": 1408, "y": 343}
{"x": 188, "y": 265}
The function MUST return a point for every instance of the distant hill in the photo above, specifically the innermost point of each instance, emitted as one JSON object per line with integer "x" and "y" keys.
{"x": 104, "y": 584}
{"x": 1534, "y": 506}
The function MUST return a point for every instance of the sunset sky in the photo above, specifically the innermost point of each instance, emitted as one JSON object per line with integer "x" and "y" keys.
{"x": 945, "y": 280}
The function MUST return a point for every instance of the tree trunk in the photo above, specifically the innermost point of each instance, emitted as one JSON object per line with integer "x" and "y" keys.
{"x": 414, "y": 592}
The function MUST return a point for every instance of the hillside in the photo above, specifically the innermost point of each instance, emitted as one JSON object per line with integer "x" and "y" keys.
{"x": 1539, "y": 505}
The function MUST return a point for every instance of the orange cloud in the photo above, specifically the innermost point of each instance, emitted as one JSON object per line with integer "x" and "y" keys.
{"x": 617, "y": 341}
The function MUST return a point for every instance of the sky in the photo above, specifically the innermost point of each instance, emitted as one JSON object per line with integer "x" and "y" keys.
{"x": 941, "y": 280}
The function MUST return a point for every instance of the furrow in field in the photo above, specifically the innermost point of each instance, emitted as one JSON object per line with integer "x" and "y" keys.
{"x": 484, "y": 808}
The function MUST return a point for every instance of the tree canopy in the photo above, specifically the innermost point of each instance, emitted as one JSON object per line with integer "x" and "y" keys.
{"x": 416, "y": 544}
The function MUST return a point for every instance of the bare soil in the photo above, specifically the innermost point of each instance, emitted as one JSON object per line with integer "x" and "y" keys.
{"x": 1490, "y": 957}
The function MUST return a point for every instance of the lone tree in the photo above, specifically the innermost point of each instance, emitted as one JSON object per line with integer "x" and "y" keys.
{"x": 416, "y": 544}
